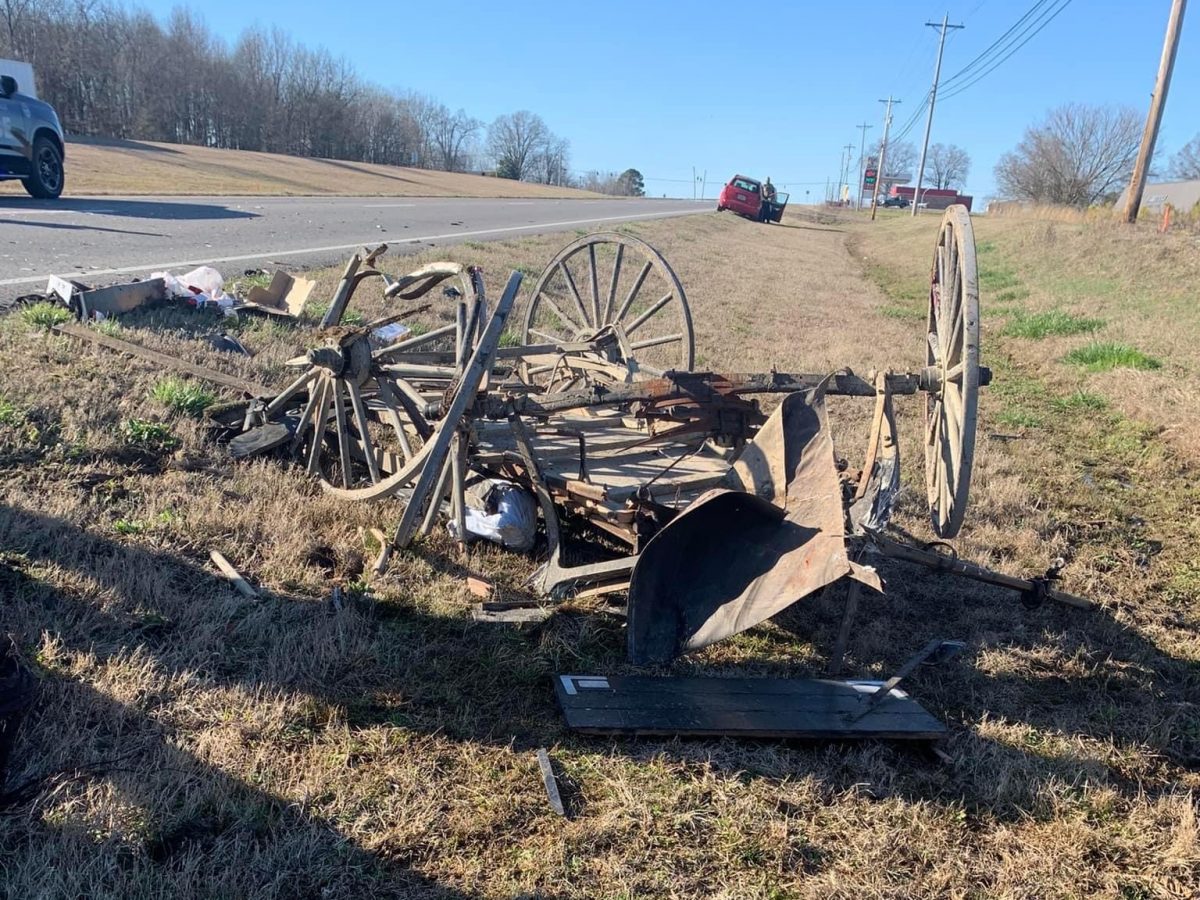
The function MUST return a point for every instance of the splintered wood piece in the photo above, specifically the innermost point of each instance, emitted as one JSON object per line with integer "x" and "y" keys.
{"x": 550, "y": 782}
{"x": 234, "y": 576}
{"x": 480, "y": 587}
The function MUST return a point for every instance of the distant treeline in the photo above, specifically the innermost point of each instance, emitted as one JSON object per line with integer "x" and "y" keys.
{"x": 113, "y": 71}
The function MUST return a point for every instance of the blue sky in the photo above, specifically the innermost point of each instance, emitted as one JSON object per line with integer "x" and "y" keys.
{"x": 761, "y": 88}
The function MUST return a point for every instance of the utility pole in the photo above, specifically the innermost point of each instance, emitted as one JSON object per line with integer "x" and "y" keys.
{"x": 862, "y": 161}
{"x": 849, "y": 148}
{"x": 1137, "y": 184}
{"x": 887, "y": 124}
{"x": 937, "y": 74}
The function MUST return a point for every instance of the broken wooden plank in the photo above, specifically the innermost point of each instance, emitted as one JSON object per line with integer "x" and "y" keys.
{"x": 550, "y": 782}
{"x": 234, "y": 576}
{"x": 739, "y": 707}
{"x": 75, "y": 330}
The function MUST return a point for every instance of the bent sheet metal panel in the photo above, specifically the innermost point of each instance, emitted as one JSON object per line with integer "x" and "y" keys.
{"x": 740, "y": 555}
{"x": 740, "y": 707}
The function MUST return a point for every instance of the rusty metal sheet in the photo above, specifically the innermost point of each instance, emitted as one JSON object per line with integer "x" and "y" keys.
{"x": 740, "y": 554}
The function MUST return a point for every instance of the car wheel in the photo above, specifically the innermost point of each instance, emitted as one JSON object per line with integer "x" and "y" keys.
{"x": 47, "y": 179}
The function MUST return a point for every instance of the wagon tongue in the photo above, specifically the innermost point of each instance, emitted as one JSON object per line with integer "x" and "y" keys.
{"x": 773, "y": 534}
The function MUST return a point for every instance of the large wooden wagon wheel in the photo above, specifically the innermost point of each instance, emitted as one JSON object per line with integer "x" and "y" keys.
{"x": 614, "y": 283}
{"x": 952, "y": 355}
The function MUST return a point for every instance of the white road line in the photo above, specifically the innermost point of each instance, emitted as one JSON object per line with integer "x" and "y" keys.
{"x": 189, "y": 263}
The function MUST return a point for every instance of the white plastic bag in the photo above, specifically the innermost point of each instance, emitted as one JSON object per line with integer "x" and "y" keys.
{"x": 389, "y": 334}
{"x": 501, "y": 512}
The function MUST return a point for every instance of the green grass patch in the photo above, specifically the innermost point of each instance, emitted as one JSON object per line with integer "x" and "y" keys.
{"x": 182, "y": 396}
{"x": 1045, "y": 324}
{"x": 1011, "y": 294}
{"x": 1100, "y": 356}
{"x": 1080, "y": 401}
{"x": 151, "y": 436}
{"x": 110, "y": 327}
{"x": 10, "y": 413}
{"x": 905, "y": 313}
{"x": 45, "y": 315}
{"x": 510, "y": 339}
{"x": 997, "y": 278}
{"x": 316, "y": 312}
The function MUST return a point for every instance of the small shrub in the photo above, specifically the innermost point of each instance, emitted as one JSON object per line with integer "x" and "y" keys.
{"x": 1044, "y": 324}
{"x": 151, "y": 436}
{"x": 510, "y": 339}
{"x": 1100, "y": 356}
{"x": 182, "y": 396}
{"x": 128, "y": 526}
{"x": 45, "y": 315}
{"x": 111, "y": 327}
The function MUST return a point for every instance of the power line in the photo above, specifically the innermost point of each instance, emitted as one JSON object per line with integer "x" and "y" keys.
{"x": 958, "y": 89}
{"x": 996, "y": 44}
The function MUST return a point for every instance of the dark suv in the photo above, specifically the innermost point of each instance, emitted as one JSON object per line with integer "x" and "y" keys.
{"x": 31, "y": 142}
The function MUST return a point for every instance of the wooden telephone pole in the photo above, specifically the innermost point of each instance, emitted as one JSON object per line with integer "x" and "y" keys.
{"x": 1137, "y": 184}
{"x": 887, "y": 124}
{"x": 862, "y": 162}
{"x": 937, "y": 74}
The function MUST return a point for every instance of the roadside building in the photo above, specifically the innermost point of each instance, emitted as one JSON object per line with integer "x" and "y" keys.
{"x": 1182, "y": 195}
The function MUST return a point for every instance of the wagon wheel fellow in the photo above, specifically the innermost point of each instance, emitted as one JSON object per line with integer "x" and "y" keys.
{"x": 609, "y": 284}
{"x": 952, "y": 359}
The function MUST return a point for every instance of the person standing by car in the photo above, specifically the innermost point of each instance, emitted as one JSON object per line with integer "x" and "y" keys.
{"x": 768, "y": 190}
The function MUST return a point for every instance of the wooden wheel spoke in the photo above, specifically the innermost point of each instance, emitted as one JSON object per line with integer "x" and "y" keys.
{"x": 563, "y": 317}
{"x": 612, "y": 286}
{"x": 364, "y": 432}
{"x": 645, "y": 316}
{"x": 570, "y": 279}
{"x": 933, "y": 426}
{"x": 633, "y": 291}
{"x": 390, "y": 402}
{"x": 343, "y": 435}
{"x": 656, "y": 341}
{"x": 594, "y": 279}
{"x": 952, "y": 404}
{"x": 954, "y": 373}
{"x": 548, "y": 337}
{"x": 320, "y": 417}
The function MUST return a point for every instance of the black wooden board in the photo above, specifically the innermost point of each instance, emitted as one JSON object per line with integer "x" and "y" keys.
{"x": 740, "y": 707}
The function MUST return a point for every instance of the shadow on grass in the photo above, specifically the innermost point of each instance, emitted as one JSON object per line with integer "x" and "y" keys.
{"x": 394, "y": 664}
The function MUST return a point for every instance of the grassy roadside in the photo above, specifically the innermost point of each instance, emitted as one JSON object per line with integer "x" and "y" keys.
{"x": 151, "y": 168}
{"x": 280, "y": 749}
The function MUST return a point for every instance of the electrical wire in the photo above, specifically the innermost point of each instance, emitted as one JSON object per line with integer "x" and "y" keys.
{"x": 1046, "y": 20}
{"x": 994, "y": 48}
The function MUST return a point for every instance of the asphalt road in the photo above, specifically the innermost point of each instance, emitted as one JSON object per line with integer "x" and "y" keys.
{"x": 101, "y": 239}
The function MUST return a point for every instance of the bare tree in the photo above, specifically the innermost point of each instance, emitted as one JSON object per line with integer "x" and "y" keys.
{"x": 901, "y": 159}
{"x": 451, "y": 133}
{"x": 1185, "y": 165}
{"x": 1078, "y": 156}
{"x": 515, "y": 141}
{"x": 948, "y": 165}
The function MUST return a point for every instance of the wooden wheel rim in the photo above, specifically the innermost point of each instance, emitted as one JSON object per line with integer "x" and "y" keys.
{"x": 952, "y": 349}
{"x": 600, "y": 302}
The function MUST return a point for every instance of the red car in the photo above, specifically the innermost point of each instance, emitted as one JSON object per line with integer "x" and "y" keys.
{"x": 744, "y": 196}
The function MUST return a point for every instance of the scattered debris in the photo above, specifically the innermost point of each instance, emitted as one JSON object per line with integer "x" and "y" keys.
{"x": 741, "y": 707}
{"x": 284, "y": 296}
{"x": 227, "y": 343}
{"x": 480, "y": 587}
{"x": 550, "y": 782}
{"x": 87, "y": 302}
{"x": 505, "y": 612}
{"x": 235, "y": 578}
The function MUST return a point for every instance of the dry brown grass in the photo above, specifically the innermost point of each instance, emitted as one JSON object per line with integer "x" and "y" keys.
{"x": 279, "y": 749}
{"x": 150, "y": 168}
